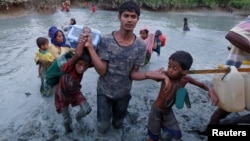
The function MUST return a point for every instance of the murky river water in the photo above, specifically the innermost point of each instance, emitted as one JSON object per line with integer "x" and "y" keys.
{"x": 18, "y": 72}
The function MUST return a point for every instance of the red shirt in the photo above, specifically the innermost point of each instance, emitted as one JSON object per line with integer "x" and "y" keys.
{"x": 68, "y": 90}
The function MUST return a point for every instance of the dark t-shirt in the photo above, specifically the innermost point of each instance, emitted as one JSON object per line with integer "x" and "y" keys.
{"x": 116, "y": 83}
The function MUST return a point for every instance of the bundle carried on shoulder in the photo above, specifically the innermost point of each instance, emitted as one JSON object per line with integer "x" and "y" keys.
{"x": 161, "y": 37}
{"x": 54, "y": 72}
{"x": 160, "y": 40}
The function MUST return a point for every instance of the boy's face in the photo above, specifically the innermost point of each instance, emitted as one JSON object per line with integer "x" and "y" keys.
{"x": 45, "y": 46}
{"x": 174, "y": 69}
{"x": 143, "y": 34}
{"x": 128, "y": 20}
{"x": 81, "y": 66}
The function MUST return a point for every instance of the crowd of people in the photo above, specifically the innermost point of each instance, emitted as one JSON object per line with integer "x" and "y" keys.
{"x": 117, "y": 61}
{"x": 154, "y": 42}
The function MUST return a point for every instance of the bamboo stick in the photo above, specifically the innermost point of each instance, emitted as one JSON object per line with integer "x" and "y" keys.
{"x": 223, "y": 70}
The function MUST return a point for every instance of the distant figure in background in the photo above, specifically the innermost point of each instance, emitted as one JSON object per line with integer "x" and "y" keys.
{"x": 66, "y": 6}
{"x": 185, "y": 26}
{"x": 153, "y": 42}
{"x": 144, "y": 33}
{"x": 149, "y": 39}
{"x": 43, "y": 59}
{"x": 63, "y": 6}
{"x": 230, "y": 10}
{"x": 93, "y": 8}
{"x": 68, "y": 27}
{"x": 85, "y": 4}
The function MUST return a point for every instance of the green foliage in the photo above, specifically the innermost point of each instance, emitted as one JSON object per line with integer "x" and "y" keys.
{"x": 241, "y": 4}
{"x": 155, "y": 4}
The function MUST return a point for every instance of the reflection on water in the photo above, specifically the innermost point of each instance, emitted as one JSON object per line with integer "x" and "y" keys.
{"x": 18, "y": 72}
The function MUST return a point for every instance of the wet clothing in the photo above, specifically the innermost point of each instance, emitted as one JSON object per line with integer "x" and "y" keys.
{"x": 105, "y": 105}
{"x": 58, "y": 51}
{"x": 68, "y": 90}
{"x": 116, "y": 82}
{"x": 185, "y": 27}
{"x": 45, "y": 89}
{"x": 55, "y": 42}
{"x": 57, "y": 48}
{"x": 44, "y": 55}
{"x": 113, "y": 88}
{"x": 163, "y": 120}
{"x": 158, "y": 45}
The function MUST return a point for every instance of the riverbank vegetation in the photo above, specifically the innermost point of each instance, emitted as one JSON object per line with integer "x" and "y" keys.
{"x": 192, "y": 4}
{"x": 156, "y": 5}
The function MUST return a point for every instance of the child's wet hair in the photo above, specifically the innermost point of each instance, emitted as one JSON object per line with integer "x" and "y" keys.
{"x": 41, "y": 41}
{"x": 184, "y": 58}
{"x": 73, "y": 21}
{"x": 85, "y": 56}
{"x": 129, "y": 5}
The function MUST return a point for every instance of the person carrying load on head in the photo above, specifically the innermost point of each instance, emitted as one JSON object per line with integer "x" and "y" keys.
{"x": 239, "y": 38}
{"x": 154, "y": 42}
{"x": 68, "y": 91}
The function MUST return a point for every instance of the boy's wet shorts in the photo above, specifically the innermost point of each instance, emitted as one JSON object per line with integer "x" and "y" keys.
{"x": 162, "y": 120}
{"x": 168, "y": 133}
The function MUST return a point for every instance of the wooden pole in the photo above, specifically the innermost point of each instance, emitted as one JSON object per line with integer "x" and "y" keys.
{"x": 223, "y": 70}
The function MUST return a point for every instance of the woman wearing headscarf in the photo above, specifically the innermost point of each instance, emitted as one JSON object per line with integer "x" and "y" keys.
{"x": 58, "y": 44}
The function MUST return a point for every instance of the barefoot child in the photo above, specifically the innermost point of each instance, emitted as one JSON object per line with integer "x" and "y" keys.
{"x": 43, "y": 59}
{"x": 161, "y": 115}
{"x": 68, "y": 90}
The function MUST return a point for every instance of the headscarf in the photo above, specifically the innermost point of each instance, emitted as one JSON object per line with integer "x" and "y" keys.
{"x": 53, "y": 39}
{"x": 158, "y": 33}
{"x": 144, "y": 28}
{"x": 52, "y": 30}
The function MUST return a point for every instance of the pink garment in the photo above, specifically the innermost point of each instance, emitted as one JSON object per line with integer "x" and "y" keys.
{"x": 144, "y": 27}
{"x": 150, "y": 42}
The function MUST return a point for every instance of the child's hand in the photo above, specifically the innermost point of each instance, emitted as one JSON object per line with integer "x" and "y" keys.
{"x": 87, "y": 33}
{"x": 213, "y": 96}
{"x": 83, "y": 38}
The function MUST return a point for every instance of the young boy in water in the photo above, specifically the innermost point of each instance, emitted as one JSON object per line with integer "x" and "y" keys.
{"x": 68, "y": 90}
{"x": 161, "y": 115}
{"x": 43, "y": 59}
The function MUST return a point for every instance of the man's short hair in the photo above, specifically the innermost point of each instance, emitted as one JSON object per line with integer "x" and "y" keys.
{"x": 184, "y": 58}
{"x": 129, "y": 5}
